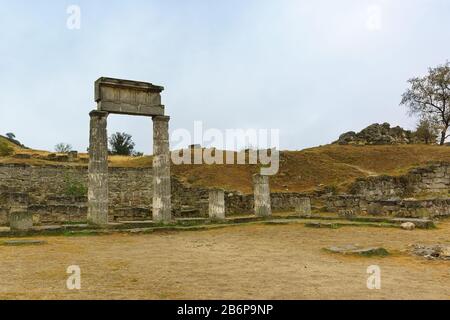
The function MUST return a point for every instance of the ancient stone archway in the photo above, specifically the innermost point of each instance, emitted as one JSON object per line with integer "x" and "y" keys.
{"x": 127, "y": 97}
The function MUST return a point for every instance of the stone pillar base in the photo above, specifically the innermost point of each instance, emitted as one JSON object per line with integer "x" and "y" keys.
{"x": 217, "y": 204}
{"x": 20, "y": 221}
{"x": 303, "y": 206}
{"x": 262, "y": 195}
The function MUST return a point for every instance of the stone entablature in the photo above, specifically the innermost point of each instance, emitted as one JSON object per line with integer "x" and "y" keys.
{"x": 128, "y": 97}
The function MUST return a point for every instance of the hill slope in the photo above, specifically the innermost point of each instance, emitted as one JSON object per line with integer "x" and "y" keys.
{"x": 6, "y": 146}
{"x": 331, "y": 165}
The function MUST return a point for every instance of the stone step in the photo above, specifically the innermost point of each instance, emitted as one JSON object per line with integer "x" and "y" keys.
{"x": 419, "y": 223}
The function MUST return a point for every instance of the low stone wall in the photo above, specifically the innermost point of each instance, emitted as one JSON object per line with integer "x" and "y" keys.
{"x": 434, "y": 178}
{"x": 402, "y": 208}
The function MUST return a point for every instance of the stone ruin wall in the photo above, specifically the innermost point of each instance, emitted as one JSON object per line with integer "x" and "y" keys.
{"x": 411, "y": 208}
{"x": 45, "y": 191}
{"x": 54, "y": 192}
{"x": 385, "y": 195}
{"x": 432, "y": 179}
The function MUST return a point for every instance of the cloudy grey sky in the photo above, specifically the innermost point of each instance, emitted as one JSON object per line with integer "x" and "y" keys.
{"x": 313, "y": 69}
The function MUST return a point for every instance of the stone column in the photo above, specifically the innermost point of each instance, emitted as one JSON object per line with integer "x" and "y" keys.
{"x": 217, "y": 204}
{"x": 303, "y": 206}
{"x": 262, "y": 195}
{"x": 98, "y": 169}
{"x": 162, "y": 208}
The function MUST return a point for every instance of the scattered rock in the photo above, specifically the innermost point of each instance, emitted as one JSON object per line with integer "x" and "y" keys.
{"x": 418, "y": 223}
{"x": 432, "y": 252}
{"x": 408, "y": 226}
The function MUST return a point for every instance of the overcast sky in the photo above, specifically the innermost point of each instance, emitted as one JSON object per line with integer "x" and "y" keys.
{"x": 312, "y": 69}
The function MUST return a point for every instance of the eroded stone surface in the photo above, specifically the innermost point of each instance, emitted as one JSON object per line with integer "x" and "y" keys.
{"x": 217, "y": 204}
{"x": 357, "y": 250}
{"x": 20, "y": 221}
{"x": 128, "y": 97}
{"x": 432, "y": 252}
{"x": 408, "y": 226}
{"x": 262, "y": 195}
{"x": 162, "y": 204}
{"x": 22, "y": 242}
{"x": 98, "y": 169}
{"x": 303, "y": 206}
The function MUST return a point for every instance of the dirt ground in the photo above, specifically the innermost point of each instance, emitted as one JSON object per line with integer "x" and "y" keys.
{"x": 241, "y": 262}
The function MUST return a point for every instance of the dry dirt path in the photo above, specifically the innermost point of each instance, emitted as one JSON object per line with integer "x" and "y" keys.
{"x": 242, "y": 262}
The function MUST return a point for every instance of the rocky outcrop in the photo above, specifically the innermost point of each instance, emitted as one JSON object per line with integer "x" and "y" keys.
{"x": 377, "y": 134}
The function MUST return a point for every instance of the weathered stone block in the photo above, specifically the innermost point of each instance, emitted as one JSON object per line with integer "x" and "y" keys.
{"x": 72, "y": 156}
{"x": 375, "y": 209}
{"x": 20, "y": 220}
{"x": 128, "y": 97}
{"x": 262, "y": 195}
{"x": 303, "y": 206}
{"x": 217, "y": 204}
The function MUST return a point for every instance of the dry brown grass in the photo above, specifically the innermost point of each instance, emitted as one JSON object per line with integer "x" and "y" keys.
{"x": 332, "y": 165}
{"x": 240, "y": 262}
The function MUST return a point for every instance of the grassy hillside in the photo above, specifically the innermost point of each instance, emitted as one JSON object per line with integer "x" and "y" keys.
{"x": 6, "y": 146}
{"x": 331, "y": 165}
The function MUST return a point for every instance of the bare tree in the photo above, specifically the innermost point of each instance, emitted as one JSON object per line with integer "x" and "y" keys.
{"x": 63, "y": 148}
{"x": 429, "y": 97}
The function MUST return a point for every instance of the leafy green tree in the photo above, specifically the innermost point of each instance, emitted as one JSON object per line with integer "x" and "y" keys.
{"x": 429, "y": 97}
{"x": 427, "y": 132}
{"x": 121, "y": 144}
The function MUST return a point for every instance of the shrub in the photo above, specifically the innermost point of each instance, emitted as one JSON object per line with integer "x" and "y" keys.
{"x": 63, "y": 148}
{"x": 74, "y": 187}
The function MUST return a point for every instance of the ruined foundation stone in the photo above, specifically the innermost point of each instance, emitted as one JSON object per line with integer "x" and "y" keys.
{"x": 217, "y": 204}
{"x": 20, "y": 221}
{"x": 262, "y": 195}
{"x": 98, "y": 169}
{"x": 162, "y": 211}
{"x": 303, "y": 206}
